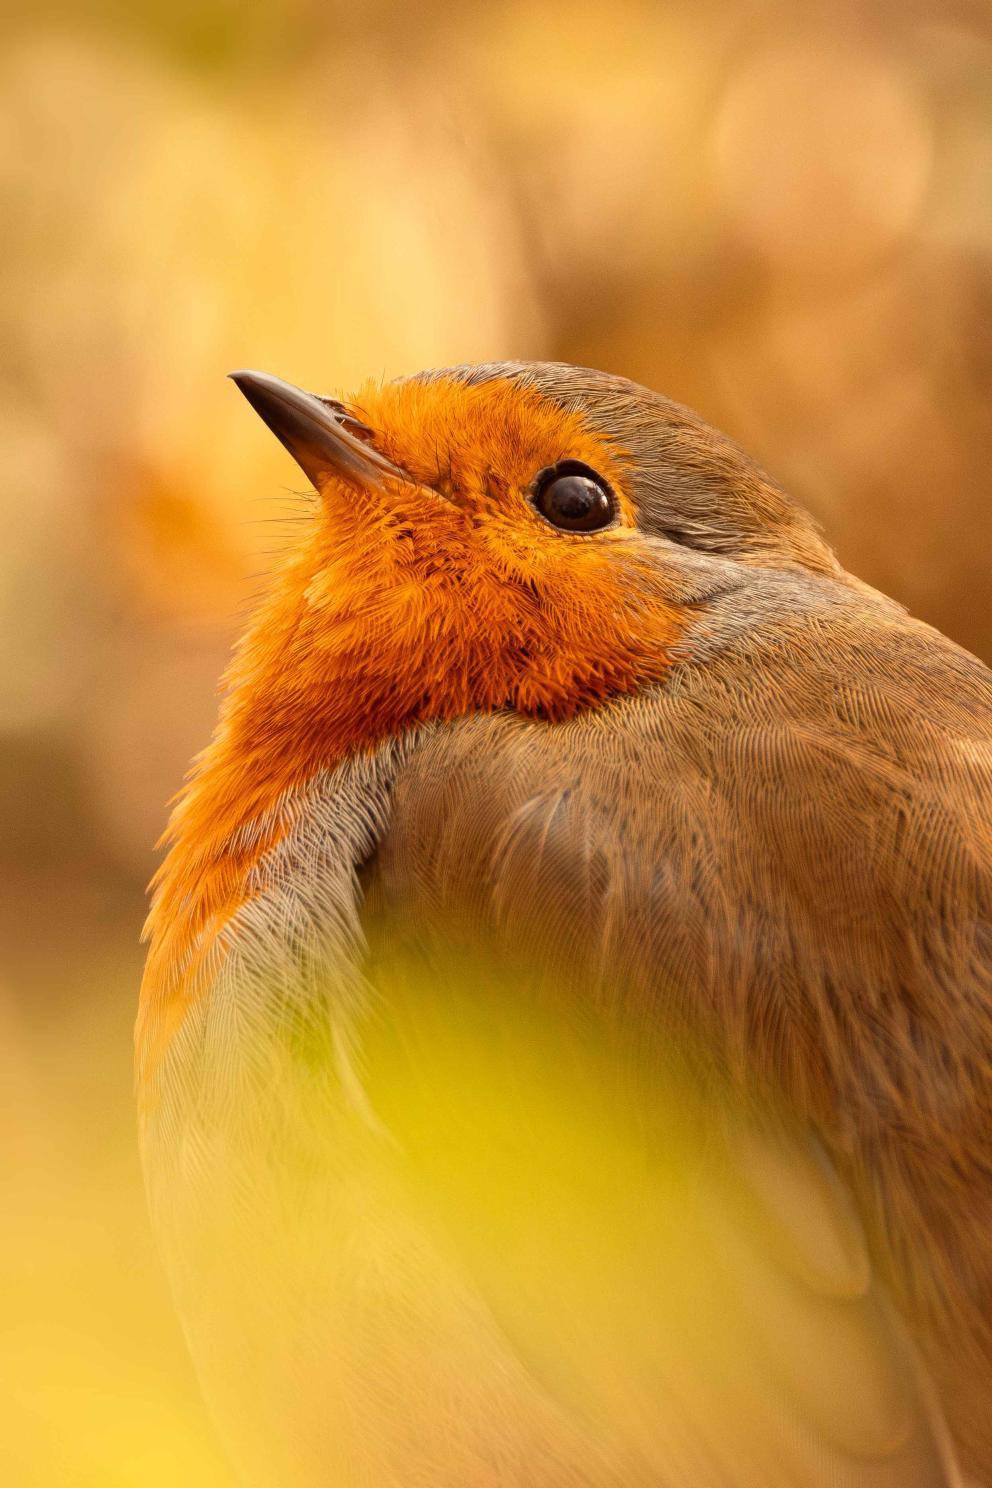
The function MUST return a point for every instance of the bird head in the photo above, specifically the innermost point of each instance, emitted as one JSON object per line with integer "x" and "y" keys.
{"x": 487, "y": 541}
{"x": 523, "y": 536}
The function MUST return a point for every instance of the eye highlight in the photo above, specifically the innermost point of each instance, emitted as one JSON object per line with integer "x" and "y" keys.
{"x": 573, "y": 498}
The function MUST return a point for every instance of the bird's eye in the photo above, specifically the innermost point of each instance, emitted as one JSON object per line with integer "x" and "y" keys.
{"x": 574, "y": 498}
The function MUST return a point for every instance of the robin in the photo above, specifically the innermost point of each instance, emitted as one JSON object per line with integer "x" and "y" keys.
{"x": 564, "y": 1050}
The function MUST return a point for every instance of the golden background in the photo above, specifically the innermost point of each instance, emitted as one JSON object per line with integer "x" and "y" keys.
{"x": 779, "y": 212}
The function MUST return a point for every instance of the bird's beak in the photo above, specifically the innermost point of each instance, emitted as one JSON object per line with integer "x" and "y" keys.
{"x": 315, "y": 434}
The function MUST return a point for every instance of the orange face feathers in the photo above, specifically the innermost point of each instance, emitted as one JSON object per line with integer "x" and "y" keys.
{"x": 416, "y": 596}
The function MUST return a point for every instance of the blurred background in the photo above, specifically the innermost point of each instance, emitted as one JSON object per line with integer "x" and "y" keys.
{"x": 777, "y": 211}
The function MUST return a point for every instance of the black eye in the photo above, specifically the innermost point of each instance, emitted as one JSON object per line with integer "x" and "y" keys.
{"x": 573, "y": 497}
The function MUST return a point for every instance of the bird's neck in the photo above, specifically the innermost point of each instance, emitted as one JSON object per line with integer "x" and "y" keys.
{"x": 304, "y": 692}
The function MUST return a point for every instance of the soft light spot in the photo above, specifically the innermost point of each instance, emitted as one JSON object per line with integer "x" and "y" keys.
{"x": 822, "y": 156}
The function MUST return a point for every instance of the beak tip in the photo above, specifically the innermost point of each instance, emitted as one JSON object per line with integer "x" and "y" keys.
{"x": 244, "y": 376}
{"x": 263, "y": 391}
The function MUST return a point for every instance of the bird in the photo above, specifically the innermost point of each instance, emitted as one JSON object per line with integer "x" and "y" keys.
{"x": 564, "y": 1053}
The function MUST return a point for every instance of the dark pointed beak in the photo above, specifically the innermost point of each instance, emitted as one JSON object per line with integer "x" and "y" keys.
{"x": 315, "y": 433}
